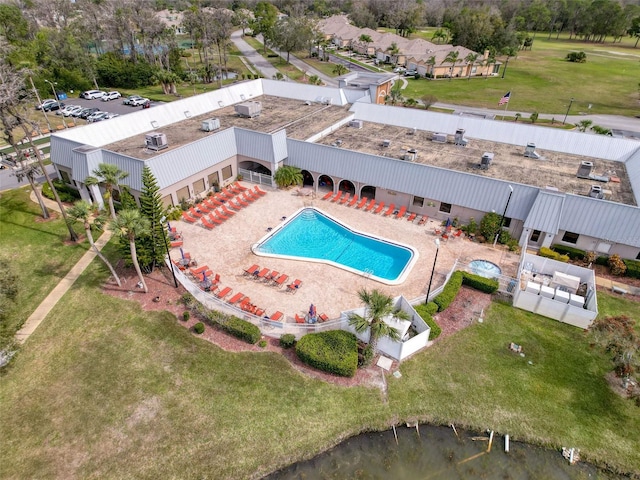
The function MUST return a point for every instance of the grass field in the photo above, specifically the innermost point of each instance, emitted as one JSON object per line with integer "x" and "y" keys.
{"x": 105, "y": 390}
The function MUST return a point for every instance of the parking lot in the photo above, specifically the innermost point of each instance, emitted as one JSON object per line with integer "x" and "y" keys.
{"x": 113, "y": 106}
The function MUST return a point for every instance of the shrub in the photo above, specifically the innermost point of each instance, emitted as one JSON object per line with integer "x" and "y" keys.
{"x": 187, "y": 300}
{"x": 262, "y": 343}
{"x": 633, "y": 268}
{"x": 287, "y": 340}
{"x": 602, "y": 260}
{"x": 66, "y": 193}
{"x": 335, "y": 351}
{"x": 548, "y": 253}
{"x": 241, "y": 329}
{"x": 198, "y": 328}
{"x": 186, "y": 315}
{"x": 616, "y": 265}
{"x": 573, "y": 253}
{"x": 486, "y": 285}
{"x": 425, "y": 311}
{"x": 489, "y": 225}
{"x": 577, "y": 57}
{"x": 590, "y": 257}
{"x": 449, "y": 292}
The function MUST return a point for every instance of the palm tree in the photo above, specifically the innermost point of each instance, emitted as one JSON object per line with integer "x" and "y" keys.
{"x": 110, "y": 175}
{"x": 394, "y": 51}
{"x": 584, "y": 124}
{"x": 81, "y": 212}
{"x": 377, "y": 306}
{"x": 440, "y": 35}
{"x": 488, "y": 62}
{"x": 128, "y": 225}
{"x": 287, "y": 176}
{"x": 339, "y": 69}
{"x": 452, "y": 58}
{"x": 432, "y": 63}
{"x": 471, "y": 59}
{"x": 366, "y": 39}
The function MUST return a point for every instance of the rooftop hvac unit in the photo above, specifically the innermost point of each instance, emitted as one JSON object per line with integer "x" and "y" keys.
{"x": 485, "y": 161}
{"x": 386, "y": 143}
{"x": 584, "y": 170}
{"x": 156, "y": 141}
{"x": 211, "y": 124}
{"x": 411, "y": 155}
{"x": 324, "y": 100}
{"x": 596, "y": 191}
{"x": 459, "y": 138}
{"x": 249, "y": 109}
{"x": 439, "y": 137}
{"x": 355, "y": 123}
{"x": 530, "y": 151}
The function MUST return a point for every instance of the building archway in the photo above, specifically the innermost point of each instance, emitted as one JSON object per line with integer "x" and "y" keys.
{"x": 254, "y": 167}
{"x": 307, "y": 179}
{"x": 368, "y": 192}
{"x": 347, "y": 186}
{"x": 325, "y": 183}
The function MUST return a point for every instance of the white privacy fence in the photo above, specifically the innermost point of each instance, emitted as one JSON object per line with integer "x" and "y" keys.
{"x": 255, "y": 177}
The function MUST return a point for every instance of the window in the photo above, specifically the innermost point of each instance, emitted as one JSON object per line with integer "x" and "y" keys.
{"x": 227, "y": 173}
{"x": 167, "y": 201}
{"x": 638, "y": 256}
{"x": 183, "y": 194}
{"x": 570, "y": 237}
{"x": 213, "y": 179}
{"x": 418, "y": 202}
{"x": 198, "y": 186}
{"x": 506, "y": 223}
{"x": 445, "y": 207}
{"x": 535, "y": 236}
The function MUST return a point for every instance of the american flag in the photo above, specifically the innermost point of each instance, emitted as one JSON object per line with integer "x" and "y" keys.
{"x": 505, "y": 98}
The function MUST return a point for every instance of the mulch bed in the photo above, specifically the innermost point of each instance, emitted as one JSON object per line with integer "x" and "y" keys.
{"x": 465, "y": 310}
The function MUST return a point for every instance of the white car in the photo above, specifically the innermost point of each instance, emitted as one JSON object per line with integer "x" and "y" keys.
{"x": 136, "y": 102}
{"x": 97, "y": 117}
{"x": 111, "y": 96}
{"x": 92, "y": 94}
{"x": 66, "y": 111}
{"x": 74, "y": 111}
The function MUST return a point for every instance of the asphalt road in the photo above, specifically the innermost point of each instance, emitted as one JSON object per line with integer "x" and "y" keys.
{"x": 8, "y": 181}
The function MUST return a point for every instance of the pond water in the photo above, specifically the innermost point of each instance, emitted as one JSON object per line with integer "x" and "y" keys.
{"x": 436, "y": 454}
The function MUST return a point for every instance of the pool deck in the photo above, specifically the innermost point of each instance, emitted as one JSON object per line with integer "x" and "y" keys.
{"x": 227, "y": 251}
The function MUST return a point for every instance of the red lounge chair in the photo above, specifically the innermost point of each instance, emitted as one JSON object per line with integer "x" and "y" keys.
{"x": 241, "y": 201}
{"x": 248, "y": 198}
{"x": 225, "y": 194}
{"x": 203, "y": 207}
{"x": 259, "y": 312}
{"x": 370, "y": 205}
{"x": 223, "y": 293}
{"x": 246, "y": 301}
{"x": 261, "y": 274}
{"x": 221, "y": 216}
{"x": 215, "y": 201}
{"x": 196, "y": 271}
{"x": 327, "y": 195}
{"x": 281, "y": 280}
{"x": 457, "y": 234}
{"x": 270, "y": 277}
{"x": 379, "y": 208}
{"x": 239, "y": 186}
{"x": 337, "y": 196}
{"x": 259, "y": 192}
{"x": 188, "y": 218}
{"x": 227, "y": 211}
{"x": 251, "y": 270}
{"x": 353, "y": 201}
{"x": 236, "y": 298}
{"x": 293, "y": 287}
{"x": 234, "y": 205}
{"x": 363, "y": 200}
{"x": 176, "y": 244}
{"x": 323, "y": 317}
{"x": 402, "y": 211}
{"x": 344, "y": 199}
{"x": 194, "y": 213}
{"x": 299, "y": 319}
{"x": 411, "y": 217}
{"x": 213, "y": 219}
{"x": 206, "y": 224}
{"x": 390, "y": 210}
{"x": 234, "y": 189}
{"x": 276, "y": 316}
{"x": 423, "y": 220}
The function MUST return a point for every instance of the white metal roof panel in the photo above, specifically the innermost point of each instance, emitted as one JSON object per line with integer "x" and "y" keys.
{"x": 263, "y": 146}
{"x": 62, "y": 150}
{"x": 303, "y": 92}
{"x": 546, "y": 212}
{"x": 632, "y": 164}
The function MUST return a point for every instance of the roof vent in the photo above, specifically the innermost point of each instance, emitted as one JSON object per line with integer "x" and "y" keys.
{"x": 459, "y": 138}
{"x": 355, "y": 123}
{"x": 485, "y": 161}
{"x": 156, "y": 141}
{"x": 584, "y": 170}
{"x": 596, "y": 191}
{"x": 530, "y": 151}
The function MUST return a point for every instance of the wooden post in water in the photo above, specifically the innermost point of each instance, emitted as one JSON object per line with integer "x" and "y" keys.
{"x": 506, "y": 443}
{"x": 490, "y": 442}
{"x": 395, "y": 434}
{"x": 454, "y": 430}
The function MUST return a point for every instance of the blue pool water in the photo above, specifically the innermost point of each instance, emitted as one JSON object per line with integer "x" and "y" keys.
{"x": 313, "y": 236}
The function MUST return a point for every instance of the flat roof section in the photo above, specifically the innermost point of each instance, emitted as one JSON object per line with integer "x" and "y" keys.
{"x": 554, "y": 169}
{"x": 298, "y": 118}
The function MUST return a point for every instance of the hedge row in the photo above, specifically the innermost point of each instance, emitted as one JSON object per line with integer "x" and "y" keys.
{"x": 449, "y": 292}
{"x": 633, "y": 268}
{"x": 571, "y": 252}
{"x": 548, "y": 253}
{"x": 486, "y": 285}
{"x": 241, "y": 329}
{"x": 335, "y": 351}
{"x": 425, "y": 311}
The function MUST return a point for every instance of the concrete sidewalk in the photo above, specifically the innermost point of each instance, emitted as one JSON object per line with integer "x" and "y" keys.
{"x": 617, "y": 287}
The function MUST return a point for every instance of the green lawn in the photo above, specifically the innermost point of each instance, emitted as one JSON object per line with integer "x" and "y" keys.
{"x": 105, "y": 390}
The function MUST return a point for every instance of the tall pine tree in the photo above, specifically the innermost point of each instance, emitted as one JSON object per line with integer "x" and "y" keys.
{"x": 151, "y": 248}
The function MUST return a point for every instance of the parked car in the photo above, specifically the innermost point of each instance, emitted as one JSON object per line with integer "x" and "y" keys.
{"x": 92, "y": 94}
{"x": 64, "y": 111}
{"x": 399, "y": 70}
{"x": 70, "y": 110}
{"x": 97, "y": 117}
{"x": 136, "y": 102}
{"x": 130, "y": 98}
{"x": 111, "y": 96}
{"x": 50, "y": 105}
{"x": 410, "y": 73}
{"x": 88, "y": 111}
{"x": 112, "y": 115}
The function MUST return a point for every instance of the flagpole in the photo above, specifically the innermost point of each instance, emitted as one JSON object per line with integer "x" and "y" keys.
{"x": 506, "y": 105}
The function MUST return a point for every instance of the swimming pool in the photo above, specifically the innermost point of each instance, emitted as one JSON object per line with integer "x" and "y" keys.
{"x": 314, "y": 236}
